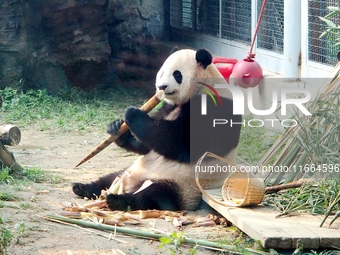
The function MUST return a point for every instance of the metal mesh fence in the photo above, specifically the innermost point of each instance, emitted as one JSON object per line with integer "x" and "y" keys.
{"x": 181, "y": 15}
{"x": 270, "y": 34}
{"x": 320, "y": 50}
{"x": 187, "y": 13}
{"x": 208, "y": 17}
{"x": 236, "y": 20}
{"x": 231, "y": 19}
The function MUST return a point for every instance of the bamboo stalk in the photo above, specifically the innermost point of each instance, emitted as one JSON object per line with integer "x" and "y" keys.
{"x": 232, "y": 249}
{"x": 293, "y": 175}
{"x": 330, "y": 209}
{"x": 148, "y": 106}
{"x": 273, "y": 149}
{"x": 293, "y": 184}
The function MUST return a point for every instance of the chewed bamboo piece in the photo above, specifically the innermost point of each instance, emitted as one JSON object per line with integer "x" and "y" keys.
{"x": 147, "y": 107}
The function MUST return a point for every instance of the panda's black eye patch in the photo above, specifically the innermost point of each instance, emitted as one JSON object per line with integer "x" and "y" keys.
{"x": 178, "y": 76}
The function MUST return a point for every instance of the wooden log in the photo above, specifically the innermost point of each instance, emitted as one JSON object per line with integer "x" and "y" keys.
{"x": 7, "y": 160}
{"x": 10, "y": 135}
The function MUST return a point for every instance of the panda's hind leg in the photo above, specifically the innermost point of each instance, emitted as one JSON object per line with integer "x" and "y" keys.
{"x": 93, "y": 189}
{"x": 161, "y": 195}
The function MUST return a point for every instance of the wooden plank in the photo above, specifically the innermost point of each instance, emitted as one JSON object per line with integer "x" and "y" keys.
{"x": 327, "y": 236}
{"x": 261, "y": 223}
{"x": 256, "y": 226}
{"x": 292, "y": 226}
{"x": 270, "y": 234}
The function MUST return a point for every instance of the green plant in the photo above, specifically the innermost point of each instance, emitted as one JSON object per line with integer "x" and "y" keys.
{"x": 7, "y": 196}
{"x": 4, "y": 205}
{"x": 299, "y": 251}
{"x": 20, "y": 229}
{"x": 5, "y": 237}
{"x": 331, "y": 37}
{"x": 332, "y": 31}
{"x": 35, "y": 174}
{"x": 25, "y": 206}
{"x": 313, "y": 197}
{"x": 175, "y": 240}
{"x": 243, "y": 243}
{"x": 77, "y": 111}
{"x": 5, "y": 176}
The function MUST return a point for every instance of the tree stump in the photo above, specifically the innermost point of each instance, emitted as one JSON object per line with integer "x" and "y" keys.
{"x": 9, "y": 135}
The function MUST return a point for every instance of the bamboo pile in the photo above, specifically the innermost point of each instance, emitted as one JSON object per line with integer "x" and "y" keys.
{"x": 311, "y": 150}
{"x": 313, "y": 147}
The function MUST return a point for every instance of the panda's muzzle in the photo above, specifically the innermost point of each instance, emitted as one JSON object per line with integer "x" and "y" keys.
{"x": 164, "y": 87}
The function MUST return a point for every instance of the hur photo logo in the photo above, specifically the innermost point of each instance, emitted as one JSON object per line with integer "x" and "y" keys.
{"x": 239, "y": 103}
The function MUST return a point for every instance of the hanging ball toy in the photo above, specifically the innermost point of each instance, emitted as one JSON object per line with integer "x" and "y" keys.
{"x": 247, "y": 73}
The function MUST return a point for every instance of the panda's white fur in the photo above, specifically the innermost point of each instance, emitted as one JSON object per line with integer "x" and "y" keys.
{"x": 171, "y": 174}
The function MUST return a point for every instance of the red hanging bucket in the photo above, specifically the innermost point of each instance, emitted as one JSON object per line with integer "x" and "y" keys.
{"x": 225, "y": 66}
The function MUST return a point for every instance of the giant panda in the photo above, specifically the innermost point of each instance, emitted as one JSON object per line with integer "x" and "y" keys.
{"x": 172, "y": 139}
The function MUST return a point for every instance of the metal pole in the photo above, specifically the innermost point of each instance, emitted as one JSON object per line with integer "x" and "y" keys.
{"x": 292, "y": 39}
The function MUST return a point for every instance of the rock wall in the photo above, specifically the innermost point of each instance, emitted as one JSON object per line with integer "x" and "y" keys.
{"x": 58, "y": 44}
{"x": 12, "y": 42}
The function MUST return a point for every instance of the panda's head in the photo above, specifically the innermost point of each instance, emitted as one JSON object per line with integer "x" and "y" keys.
{"x": 178, "y": 74}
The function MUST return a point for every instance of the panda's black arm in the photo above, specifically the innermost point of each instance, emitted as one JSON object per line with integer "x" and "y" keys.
{"x": 168, "y": 138}
{"x": 126, "y": 140}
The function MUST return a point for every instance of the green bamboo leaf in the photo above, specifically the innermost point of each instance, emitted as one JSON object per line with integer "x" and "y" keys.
{"x": 333, "y": 8}
{"x": 329, "y": 132}
{"x": 328, "y": 22}
{"x": 324, "y": 33}
{"x": 300, "y": 162}
{"x": 332, "y": 14}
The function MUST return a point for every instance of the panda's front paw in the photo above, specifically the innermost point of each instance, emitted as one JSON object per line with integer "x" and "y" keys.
{"x": 134, "y": 115}
{"x": 83, "y": 190}
{"x": 114, "y": 126}
{"x": 118, "y": 202}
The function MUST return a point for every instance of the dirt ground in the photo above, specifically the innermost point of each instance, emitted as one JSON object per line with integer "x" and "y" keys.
{"x": 59, "y": 153}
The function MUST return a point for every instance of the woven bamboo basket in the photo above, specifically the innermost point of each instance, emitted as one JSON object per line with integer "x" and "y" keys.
{"x": 239, "y": 188}
{"x": 242, "y": 189}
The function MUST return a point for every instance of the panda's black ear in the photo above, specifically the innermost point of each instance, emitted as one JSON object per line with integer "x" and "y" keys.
{"x": 174, "y": 49}
{"x": 204, "y": 57}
